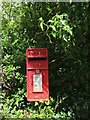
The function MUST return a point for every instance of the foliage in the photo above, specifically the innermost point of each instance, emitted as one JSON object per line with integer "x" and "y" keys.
{"x": 39, "y": 110}
{"x": 57, "y": 27}
{"x": 64, "y": 29}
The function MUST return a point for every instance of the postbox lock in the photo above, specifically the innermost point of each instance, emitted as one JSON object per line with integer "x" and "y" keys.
{"x": 37, "y": 71}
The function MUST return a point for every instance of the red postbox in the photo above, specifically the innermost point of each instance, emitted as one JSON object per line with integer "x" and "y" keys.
{"x": 37, "y": 74}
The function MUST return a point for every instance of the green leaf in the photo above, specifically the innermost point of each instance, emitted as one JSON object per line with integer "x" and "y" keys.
{"x": 36, "y": 104}
{"x": 53, "y": 27}
{"x": 51, "y": 21}
{"x": 15, "y": 41}
{"x": 41, "y": 25}
{"x": 54, "y": 34}
{"x": 41, "y": 19}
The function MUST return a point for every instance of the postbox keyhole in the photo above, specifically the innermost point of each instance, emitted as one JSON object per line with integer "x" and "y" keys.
{"x": 37, "y": 71}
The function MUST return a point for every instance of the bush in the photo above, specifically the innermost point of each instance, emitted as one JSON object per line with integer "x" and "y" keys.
{"x": 14, "y": 108}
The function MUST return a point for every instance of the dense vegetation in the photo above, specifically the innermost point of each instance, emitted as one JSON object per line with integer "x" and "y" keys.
{"x": 63, "y": 28}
